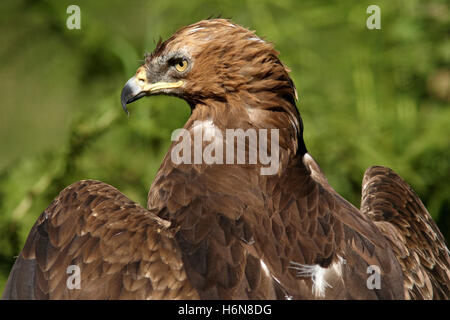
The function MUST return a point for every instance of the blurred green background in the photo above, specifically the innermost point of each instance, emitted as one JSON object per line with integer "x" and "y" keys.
{"x": 367, "y": 97}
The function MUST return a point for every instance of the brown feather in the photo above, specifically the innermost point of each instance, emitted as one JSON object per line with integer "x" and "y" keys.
{"x": 411, "y": 232}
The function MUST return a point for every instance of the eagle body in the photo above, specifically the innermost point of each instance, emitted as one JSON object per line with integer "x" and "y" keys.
{"x": 224, "y": 230}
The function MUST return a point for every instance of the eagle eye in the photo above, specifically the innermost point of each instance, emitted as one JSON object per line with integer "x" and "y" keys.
{"x": 181, "y": 65}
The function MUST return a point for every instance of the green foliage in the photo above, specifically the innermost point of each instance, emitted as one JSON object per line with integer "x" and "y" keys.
{"x": 367, "y": 97}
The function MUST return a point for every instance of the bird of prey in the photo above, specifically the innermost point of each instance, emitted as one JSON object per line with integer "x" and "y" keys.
{"x": 224, "y": 230}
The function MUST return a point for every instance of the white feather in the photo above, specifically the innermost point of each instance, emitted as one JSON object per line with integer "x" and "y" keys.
{"x": 318, "y": 274}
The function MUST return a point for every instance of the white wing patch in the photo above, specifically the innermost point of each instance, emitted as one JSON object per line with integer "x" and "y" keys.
{"x": 318, "y": 274}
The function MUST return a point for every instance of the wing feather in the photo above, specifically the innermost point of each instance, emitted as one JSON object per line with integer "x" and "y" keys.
{"x": 400, "y": 215}
{"x": 123, "y": 251}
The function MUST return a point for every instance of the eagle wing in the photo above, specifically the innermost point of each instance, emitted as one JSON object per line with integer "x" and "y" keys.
{"x": 328, "y": 235}
{"x": 417, "y": 242}
{"x": 120, "y": 249}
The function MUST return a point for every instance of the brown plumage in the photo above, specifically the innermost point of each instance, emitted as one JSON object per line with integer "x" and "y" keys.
{"x": 225, "y": 231}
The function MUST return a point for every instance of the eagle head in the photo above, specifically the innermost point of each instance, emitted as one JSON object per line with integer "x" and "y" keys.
{"x": 213, "y": 60}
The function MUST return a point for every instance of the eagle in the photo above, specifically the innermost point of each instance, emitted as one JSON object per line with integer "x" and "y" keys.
{"x": 229, "y": 230}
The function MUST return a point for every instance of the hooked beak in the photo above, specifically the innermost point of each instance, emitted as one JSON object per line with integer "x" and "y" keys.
{"x": 138, "y": 87}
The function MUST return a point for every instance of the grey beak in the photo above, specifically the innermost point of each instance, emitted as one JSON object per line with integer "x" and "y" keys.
{"x": 130, "y": 92}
